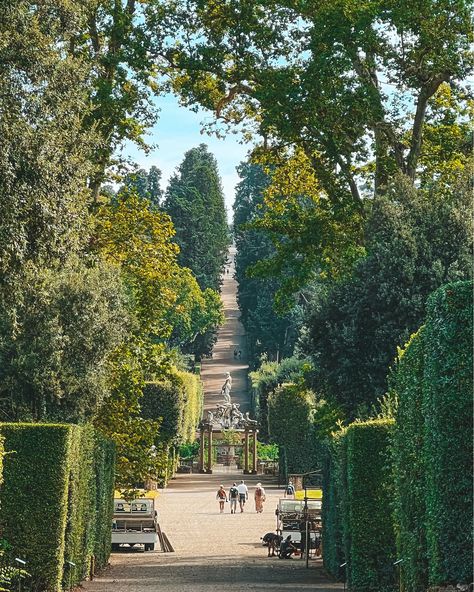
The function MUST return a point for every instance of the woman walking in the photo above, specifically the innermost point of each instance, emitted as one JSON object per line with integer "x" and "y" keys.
{"x": 259, "y": 498}
{"x": 221, "y": 497}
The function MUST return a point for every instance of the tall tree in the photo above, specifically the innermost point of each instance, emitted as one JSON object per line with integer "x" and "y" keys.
{"x": 416, "y": 241}
{"x": 348, "y": 83}
{"x": 195, "y": 202}
{"x": 268, "y": 333}
{"x": 146, "y": 184}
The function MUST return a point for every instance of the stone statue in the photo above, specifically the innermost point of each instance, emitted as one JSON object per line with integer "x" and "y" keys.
{"x": 226, "y": 388}
{"x": 248, "y": 421}
{"x": 210, "y": 417}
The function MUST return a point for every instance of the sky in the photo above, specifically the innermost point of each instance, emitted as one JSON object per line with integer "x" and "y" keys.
{"x": 179, "y": 129}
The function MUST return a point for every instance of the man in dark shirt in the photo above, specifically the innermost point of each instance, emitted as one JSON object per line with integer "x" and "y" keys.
{"x": 287, "y": 548}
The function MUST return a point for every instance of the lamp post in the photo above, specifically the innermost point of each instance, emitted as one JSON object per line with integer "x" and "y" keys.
{"x": 21, "y": 563}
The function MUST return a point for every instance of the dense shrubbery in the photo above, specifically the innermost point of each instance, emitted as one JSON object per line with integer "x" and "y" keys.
{"x": 52, "y": 509}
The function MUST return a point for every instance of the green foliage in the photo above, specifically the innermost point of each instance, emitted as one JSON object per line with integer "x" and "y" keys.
{"x": 177, "y": 403}
{"x": 334, "y": 495}
{"x": 409, "y": 471}
{"x": 49, "y": 501}
{"x": 371, "y": 548}
{"x": 146, "y": 184}
{"x": 267, "y": 378}
{"x": 290, "y": 422}
{"x": 195, "y": 202}
{"x": 447, "y": 407}
{"x": 267, "y": 451}
{"x": 268, "y": 333}
{"x": 416, "y": 241}
{"x": 305, "y": 68}
{"x": 55, "y": 354}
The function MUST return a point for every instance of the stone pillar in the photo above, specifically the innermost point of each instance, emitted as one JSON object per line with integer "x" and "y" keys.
{"x": 209, "y": 451}
{"x": 254, "y": 451}
{"x": 246, "y": 453}
{"x": 201, "y": 453}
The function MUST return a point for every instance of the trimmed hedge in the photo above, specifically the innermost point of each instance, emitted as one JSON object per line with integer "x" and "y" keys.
{"x": 408, "y": 467}
{"x": 104, "y": 473}
{"x": 367, "y": 515}
{"x": 447, "y": 406}
{"x": 334, "y": 486}
{"x": 49, "y": 511}
{"x": 178, "y": 403}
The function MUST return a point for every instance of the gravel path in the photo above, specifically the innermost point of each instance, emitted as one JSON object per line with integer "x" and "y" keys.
{"x": 214, "y": 552}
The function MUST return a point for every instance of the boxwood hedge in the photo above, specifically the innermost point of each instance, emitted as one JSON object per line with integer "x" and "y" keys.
{"x": 334, "y": 488}
{"x": 408, "y": 467}
{"x": 368, "y": 516}
{"x": 447, "y": 406}
{"x": 49, "y": 510}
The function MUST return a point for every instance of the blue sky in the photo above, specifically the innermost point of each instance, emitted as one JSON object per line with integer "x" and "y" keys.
{"x": 178, "y": 130}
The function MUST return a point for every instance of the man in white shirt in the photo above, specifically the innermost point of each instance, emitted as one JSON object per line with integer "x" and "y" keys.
{"x": 243, "y": 494}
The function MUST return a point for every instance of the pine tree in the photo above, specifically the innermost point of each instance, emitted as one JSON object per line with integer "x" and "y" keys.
{"x": 195, "y": 202}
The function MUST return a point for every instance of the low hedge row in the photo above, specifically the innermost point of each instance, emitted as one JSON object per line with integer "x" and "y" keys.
{"x": 52, "y": 509}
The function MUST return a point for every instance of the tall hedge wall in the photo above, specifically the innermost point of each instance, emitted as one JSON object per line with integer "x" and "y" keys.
{"x": 104, "y": 474}
{"x": 368, "y": 518}
{"x": 334, "y": 487}
{"x": 408, "y": 466}
{"x": 48, "y": 502}
{"x": 447, "y": 406}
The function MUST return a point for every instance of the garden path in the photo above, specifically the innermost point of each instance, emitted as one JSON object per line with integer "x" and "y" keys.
{"x": 214, "y": 552}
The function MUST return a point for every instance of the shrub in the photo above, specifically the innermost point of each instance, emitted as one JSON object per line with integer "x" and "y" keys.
{"x": 49, "y": 503}
{"x": 367, "y": 515}
{"x": 448, "y": 387}
{"x": 104, "y": 472}
{"x": 408, "y": 467}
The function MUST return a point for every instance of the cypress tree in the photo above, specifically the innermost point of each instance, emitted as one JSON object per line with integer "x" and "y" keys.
{"x": 195, "y": 202}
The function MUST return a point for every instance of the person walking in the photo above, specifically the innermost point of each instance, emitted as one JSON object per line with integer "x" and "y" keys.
{"x": 259, "y": 497}
{"x": 243, "y": 494}
{"x": 233, "y": 497}
{"x": 221, "y": 497}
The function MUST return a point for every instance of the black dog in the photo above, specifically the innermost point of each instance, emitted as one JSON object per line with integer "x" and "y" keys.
{"x": 273, "y": 541}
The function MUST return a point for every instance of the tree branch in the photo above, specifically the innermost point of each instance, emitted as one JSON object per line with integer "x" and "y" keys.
{"x": 426, "y": 92}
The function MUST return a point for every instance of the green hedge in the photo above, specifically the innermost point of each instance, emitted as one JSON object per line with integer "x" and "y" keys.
{"x": 291, "y": 426}
{"x": 104, "y": 472}
{"x": 448, "y": 388}
{"x": 371, "y": 549}
{"x": 178, "y": 402}
{"x": 334, "y": 487}
{"x": 408, "y": 467}
{"x": 49, "y": 510}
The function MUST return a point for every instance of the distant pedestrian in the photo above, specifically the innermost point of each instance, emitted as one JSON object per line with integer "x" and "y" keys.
{"x": 240, "y": 354}
{"x": 221, "y": 497}
{"x": 233, "y": 497}
{"x": 235, "y": 353}
{"x": 259, "y": 497}
{"x": 290, "y": 489}
{"x": 243, "y": 494}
